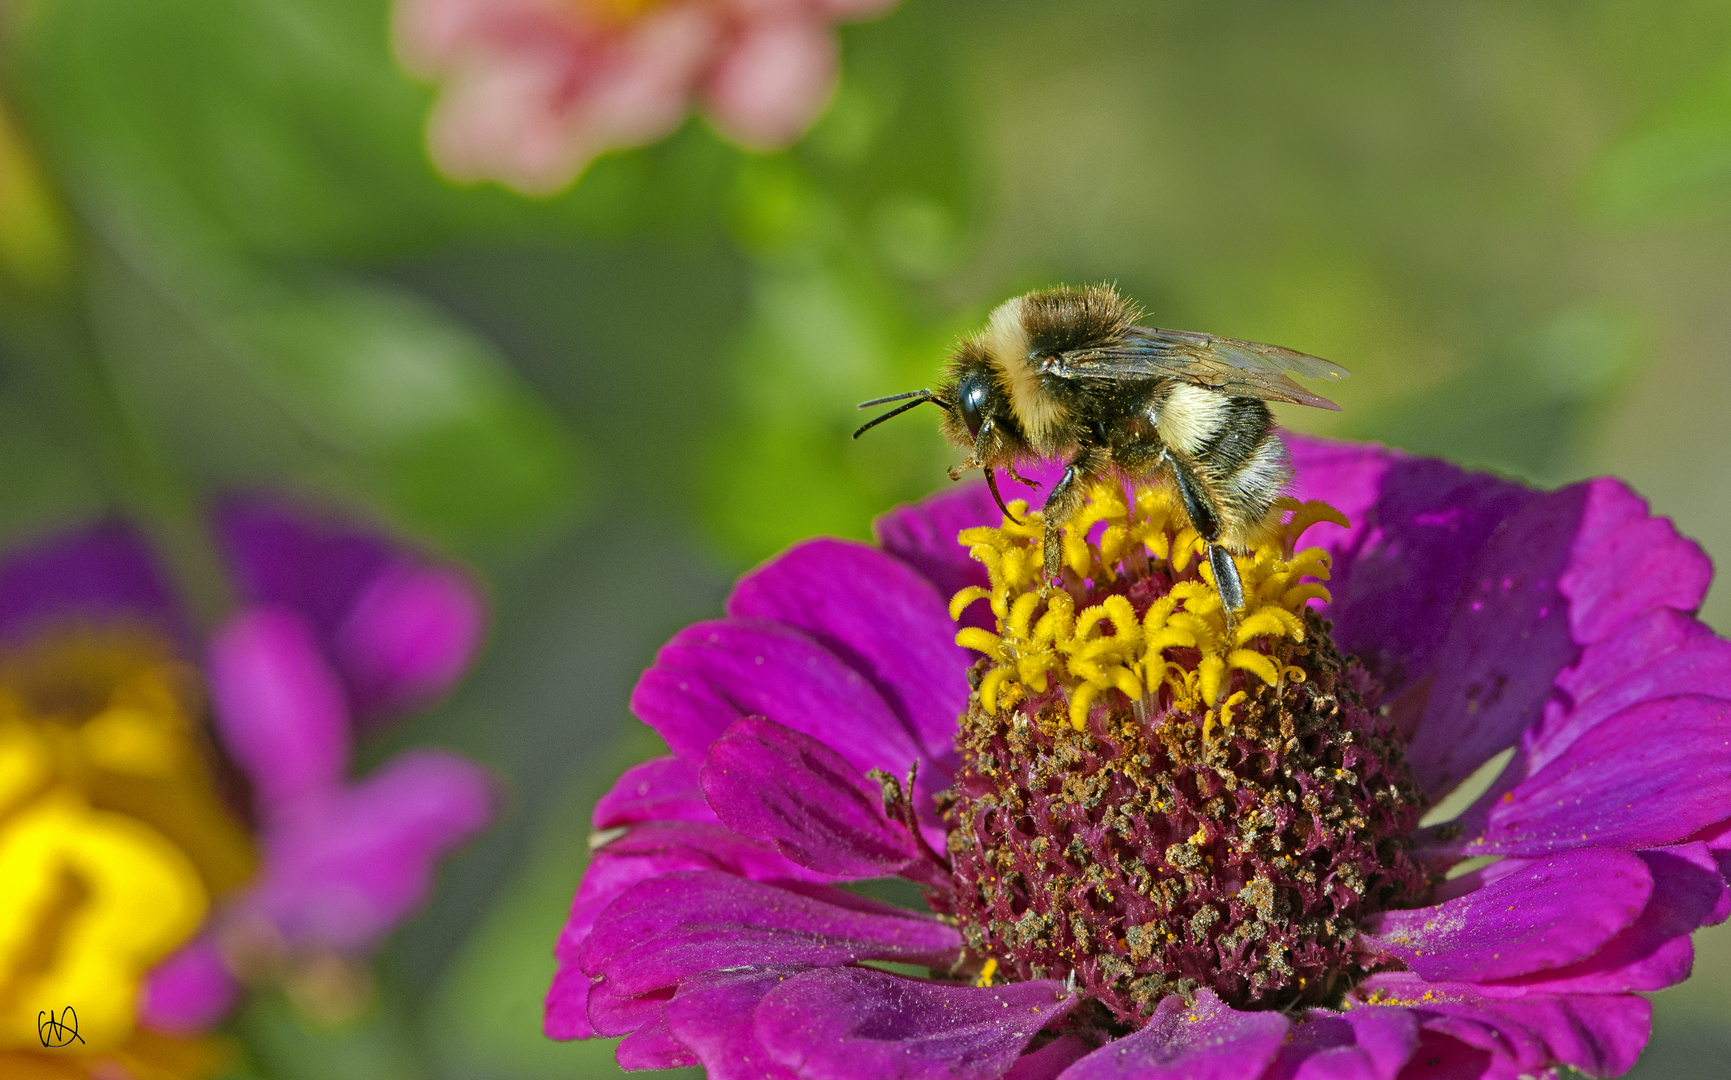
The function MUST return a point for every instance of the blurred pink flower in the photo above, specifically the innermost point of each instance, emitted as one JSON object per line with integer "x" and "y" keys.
{"x": 533, "y": 90}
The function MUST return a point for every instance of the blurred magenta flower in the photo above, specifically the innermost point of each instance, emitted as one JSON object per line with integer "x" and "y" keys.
{"x": 337, "y": 628}
{"x": 1162, "y": 844}
{"x": 533, "y": 90}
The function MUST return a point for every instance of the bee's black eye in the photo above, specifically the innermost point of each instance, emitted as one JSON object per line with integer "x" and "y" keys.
{"x": 971, "y": 397}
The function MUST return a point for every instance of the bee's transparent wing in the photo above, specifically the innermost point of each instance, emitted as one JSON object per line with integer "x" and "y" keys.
{"x": 1239, "y": 368}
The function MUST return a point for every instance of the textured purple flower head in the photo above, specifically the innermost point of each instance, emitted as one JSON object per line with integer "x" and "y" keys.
{"x": 1156, "y": 841}
{"x": 102, "y": 725}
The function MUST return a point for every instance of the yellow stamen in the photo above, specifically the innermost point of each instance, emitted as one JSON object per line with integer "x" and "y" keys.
{"x": 987, "y": 970}
{"x": 1094, "y": 642}
{"x": 1226, "y": 707}
{"x": 961, "y": 600}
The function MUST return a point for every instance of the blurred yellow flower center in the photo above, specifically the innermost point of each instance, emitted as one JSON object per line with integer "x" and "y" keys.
{"x": 613, "y": 12}
{"x": 1184, "y": 640}
{"x": 113, "y": 839}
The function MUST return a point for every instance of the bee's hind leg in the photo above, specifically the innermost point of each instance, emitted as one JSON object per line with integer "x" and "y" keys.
{"x": 1226, "y": 580}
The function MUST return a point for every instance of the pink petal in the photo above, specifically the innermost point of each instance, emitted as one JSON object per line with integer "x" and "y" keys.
{"x": 652, "y": 1046}
{"x": 1654, "y": 952}
{"x": 343, "y": 869}
{"x": 505, "y": 118}
{"x": 646, "y": 850}
{"x": 190, "y": 992}
{"x": 1600, "y": 1034}
{"x": 923, "y": 534}
{"x": 279, "y": 707}
{"x": 565, "y": 1011}
{"x": 1441, "y": 1057}
{"x": 772, "y": 80}
{"x": 677, "y": 925}
{"x": 532, "y": 93}
{"x": 642, "y": 89}
{"x": 1662, "y": 653}
{"x": 1508, "y": 636}
{"x": 852, "y": 1022}
{"x": 880, "y": 616}
{"x": 1367, "y": 1043}
{"x": 1652, "y": 774}
{"x": 1417, "y": 526}
{"x": 776, "y": 785}
{"x": 1207, "y": 1041}
{"x": 1546, "y": 916}
{"x": 1625, "y": 563}
{"x": 1049, "y": 1061}
{"x": 1717, "y": 837}
{"x": 429, "y": 35}
{"x": 715, "y": 673}
{"x": 712, "y": 1015}
{"x": 1347, "y": 476}
{"x": 663, "y": 788}
{"x": 409, "y": 637}
{"x": 1485, "y": 585}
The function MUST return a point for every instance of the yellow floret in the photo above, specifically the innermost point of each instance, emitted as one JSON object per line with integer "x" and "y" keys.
{"x": 1107, "y": 646}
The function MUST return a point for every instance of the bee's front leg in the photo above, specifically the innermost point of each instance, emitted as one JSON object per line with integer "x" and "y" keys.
{"x": 1031, "y": 485}
{"x": 1066, "y": 498}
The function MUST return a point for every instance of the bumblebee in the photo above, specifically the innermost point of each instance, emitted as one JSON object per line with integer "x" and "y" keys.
{"x": 1068, "y": 374}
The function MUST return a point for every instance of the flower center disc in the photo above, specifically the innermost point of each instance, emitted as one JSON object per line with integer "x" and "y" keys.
{"x": 1156, "y": 797}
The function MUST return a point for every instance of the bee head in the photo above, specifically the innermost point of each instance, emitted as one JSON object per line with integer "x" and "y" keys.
{"x": 977, "y": 414}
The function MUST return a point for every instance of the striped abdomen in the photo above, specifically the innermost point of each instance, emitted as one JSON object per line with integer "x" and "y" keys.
{"x": 1233, "y": 451}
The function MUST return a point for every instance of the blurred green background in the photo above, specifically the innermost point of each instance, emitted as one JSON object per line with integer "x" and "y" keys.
{"x": 226, "y": 260}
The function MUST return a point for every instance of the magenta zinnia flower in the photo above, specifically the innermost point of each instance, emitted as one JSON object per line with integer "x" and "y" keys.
{"x": 337, "y": 631}
{"x": 1155, "y": 842}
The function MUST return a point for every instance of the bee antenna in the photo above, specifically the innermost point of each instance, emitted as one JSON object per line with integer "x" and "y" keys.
{"x": 992, "y": 482}
{"x": 894, "y": 397}
{"x": 920, "y": 397}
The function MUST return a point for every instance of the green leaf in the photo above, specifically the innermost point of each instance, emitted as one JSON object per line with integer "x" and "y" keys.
{"x": 1674, "y": 166}
{"x": 454, "y": 443}
{"x": 348, "y": 386}
{"x": 46, "y": 480}
{"x": 283, "y": 1044}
